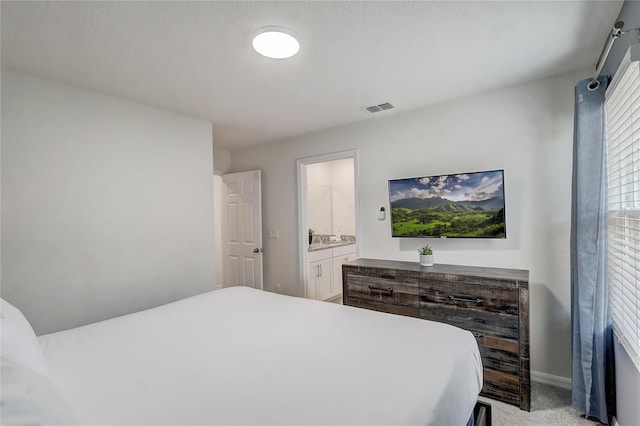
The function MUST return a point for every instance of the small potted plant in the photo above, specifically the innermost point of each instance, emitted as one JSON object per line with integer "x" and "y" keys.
{"x": 426, "y": 255}
{"x": 310, "y": 235}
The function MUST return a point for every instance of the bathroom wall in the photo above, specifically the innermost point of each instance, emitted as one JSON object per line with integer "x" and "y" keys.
{"x": 331, "y": 197}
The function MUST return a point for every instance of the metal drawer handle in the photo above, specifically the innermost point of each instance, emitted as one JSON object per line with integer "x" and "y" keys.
{"x": 478, "y": 335}
{"x": 388, "y": 289}
{"x": 458, "y": 298}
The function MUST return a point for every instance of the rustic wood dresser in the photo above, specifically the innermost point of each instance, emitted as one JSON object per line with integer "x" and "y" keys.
{"x": 492, "y": 303}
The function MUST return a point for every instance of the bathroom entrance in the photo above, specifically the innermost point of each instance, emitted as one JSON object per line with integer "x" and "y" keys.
{"x": 327, "y": 211}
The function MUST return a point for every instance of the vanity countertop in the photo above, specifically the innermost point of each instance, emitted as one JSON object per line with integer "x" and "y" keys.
{"x": 324, "y": 246}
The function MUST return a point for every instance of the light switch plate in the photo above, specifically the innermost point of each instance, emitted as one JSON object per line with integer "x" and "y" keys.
{"x": 274, "y": 234}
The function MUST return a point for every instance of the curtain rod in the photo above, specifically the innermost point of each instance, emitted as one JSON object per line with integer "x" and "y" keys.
{"x": 615, "y": 34}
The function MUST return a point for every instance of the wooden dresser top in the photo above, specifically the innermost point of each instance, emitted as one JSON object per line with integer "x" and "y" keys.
{"x": 511, "y": 277}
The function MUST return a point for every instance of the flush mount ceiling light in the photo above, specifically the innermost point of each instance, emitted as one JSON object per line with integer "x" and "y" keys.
{"x": 276, "y": 42}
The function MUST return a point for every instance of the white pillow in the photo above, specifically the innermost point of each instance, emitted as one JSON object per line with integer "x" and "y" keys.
{"x": 19, "y": 342}
{"x": 29, "y": 398}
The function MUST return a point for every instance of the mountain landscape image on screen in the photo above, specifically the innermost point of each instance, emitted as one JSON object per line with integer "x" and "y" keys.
{"x": 462, "y": 205}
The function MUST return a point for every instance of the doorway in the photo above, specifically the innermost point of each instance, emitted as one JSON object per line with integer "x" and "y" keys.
{"x": 327, "y": 211}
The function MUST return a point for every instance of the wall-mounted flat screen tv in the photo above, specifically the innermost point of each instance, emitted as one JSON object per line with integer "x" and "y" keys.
{"x": 465, "y": 205}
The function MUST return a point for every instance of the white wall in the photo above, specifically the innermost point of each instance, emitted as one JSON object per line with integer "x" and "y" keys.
{"x": 331, "y": 197}
{"x": 319, "y": 204}
{"x": 221, "y": 161}
{"x": 218, "y": 188}
{"x": 343, "y": 197}
{"x": 527, "y": 130}
{"x": 627, "y": 386}
{"x": 221, "y": 165}
{"x": 107, "y": 205}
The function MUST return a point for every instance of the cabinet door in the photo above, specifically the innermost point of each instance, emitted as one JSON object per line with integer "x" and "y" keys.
{"x": 312, "y": 279}
{"x": 323, "y": 288}
{"x": 320, "y": 280}
{"x": 338, "y": 261}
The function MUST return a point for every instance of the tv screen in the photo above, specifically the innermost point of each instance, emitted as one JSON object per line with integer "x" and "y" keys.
{"x": 466, "y": 205}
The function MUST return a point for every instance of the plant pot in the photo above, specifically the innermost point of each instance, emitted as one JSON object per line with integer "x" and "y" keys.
{"x": 426, "y": 260}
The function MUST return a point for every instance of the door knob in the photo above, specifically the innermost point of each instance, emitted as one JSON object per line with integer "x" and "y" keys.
{"x": 256, "y": 250}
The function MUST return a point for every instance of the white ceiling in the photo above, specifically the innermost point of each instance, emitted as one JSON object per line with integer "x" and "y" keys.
{"x": 195, "y": 58}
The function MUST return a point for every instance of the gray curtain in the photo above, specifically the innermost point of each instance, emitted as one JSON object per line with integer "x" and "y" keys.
{"x": 590, "y": 320}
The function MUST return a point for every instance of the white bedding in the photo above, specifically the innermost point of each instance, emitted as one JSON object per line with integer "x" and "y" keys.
{"x": 243, "y": 356}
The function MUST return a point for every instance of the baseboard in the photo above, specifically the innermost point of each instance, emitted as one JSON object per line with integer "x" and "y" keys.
{"x": 614, "y": 421}
{"x": 334, "y": 299}
{"x": 550, "y": 379}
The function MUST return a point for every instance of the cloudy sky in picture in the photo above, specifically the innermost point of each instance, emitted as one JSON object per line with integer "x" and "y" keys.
{"x": 479, "y": 186}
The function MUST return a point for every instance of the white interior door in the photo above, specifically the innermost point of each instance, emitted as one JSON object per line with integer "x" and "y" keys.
{"x": 242, "y": 229}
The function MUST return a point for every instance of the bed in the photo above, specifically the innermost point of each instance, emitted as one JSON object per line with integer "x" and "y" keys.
{"x": 243, "y": 356}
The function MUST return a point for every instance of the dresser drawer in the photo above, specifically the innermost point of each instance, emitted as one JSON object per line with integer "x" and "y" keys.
{"x": 492, "y": 315}
{"x": 501, "y": 386}
{"x": 477, "y": 322}
{"x": 501, "y": 368}
{"x": 407, "y": 311}
{"x": 382, "y": 294}
{"x": 470, "y": 296}
{"x": 499, "y": 354}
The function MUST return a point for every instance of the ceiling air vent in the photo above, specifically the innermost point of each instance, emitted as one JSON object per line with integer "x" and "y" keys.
{"x": 377, "y": 108}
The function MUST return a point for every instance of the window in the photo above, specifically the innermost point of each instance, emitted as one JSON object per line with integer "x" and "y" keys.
{"x": 622, "y": 107}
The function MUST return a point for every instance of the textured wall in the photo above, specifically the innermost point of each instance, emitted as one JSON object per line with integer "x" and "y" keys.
{"x": 107, "y": 205}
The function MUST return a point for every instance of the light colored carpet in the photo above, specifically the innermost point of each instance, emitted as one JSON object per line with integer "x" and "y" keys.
{"x": 550, "y": 406}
